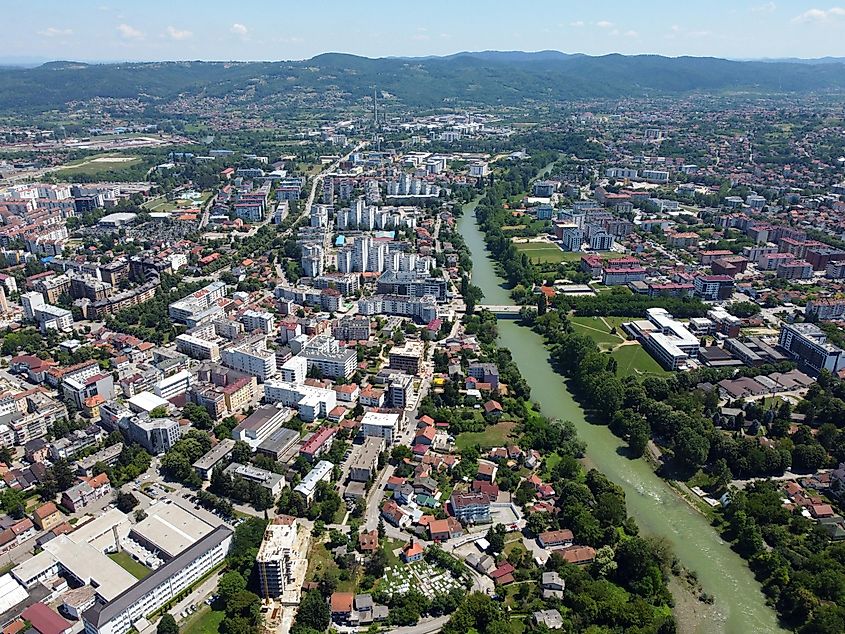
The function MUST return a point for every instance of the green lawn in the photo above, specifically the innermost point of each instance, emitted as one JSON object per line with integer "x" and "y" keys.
{"x": 635, "y": 360}
{"x": 134, "y": 568}
{"x": 597, "y": 330}
{"x": 494, "y": 436}
{"x": 90, "y": 166}
{"x": 552, "y": 460}
{"x": 546, "y": 253}
{"x": 204, "y": 621}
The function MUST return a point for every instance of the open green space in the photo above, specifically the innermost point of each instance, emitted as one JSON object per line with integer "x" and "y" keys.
{"x": 319, "y": 561}
{"x": 134, "y": 568}
{"x": 546, "y": 253}
{"x": 494, "y": 436}
{"x": 98, "y": 164}
{"x": 204, "y": 621}
{"x": 597, "y": 330}
{"x": 633, "y": 359}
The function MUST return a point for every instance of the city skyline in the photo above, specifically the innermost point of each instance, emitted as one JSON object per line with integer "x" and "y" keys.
{"x": 156, "y": 31}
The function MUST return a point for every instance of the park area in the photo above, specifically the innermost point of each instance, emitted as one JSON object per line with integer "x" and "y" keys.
{"x": 631, "y": 357}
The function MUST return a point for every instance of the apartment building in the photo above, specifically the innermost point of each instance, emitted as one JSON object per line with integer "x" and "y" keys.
{"x": 807, "y": 344}
{"x": 197, "y": 348}
{"x": 311, "y": 402}
{"x": 382, "y": 425}
{"x": 251, "y": 356}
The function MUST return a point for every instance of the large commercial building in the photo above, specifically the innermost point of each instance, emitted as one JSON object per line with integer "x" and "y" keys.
{"x": 261, "y": 424}
{"x": 119, "y": 615}
{"x": 807, "y": 344}
{"x": 156, "y": 435}
{"x": 666, "y": 339}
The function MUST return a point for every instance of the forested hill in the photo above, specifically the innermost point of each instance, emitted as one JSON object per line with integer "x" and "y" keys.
{"x": 489, "y": 78}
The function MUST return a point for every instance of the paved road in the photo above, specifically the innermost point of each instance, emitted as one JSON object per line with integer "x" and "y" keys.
{"x": 203, "y": 591}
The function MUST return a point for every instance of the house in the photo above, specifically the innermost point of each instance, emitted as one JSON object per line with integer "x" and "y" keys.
{"x": 487, "y": 488}
{"x": 441, "y": 530}
{"x": 368, "y": 541}
{"x": 493, "y": 408}
{"x": 425, "y": 485}
{"x": 820, "y": 511}
{"x": 393, "y": 514}
{"x": 47, "y": 516}
{"x": 86, "y": 492}
{"x": 556, "y": 539}
{"x": 503, "y": 575}
{"x": 393, "y": 483}
{"x": 486, "y": 471}
{"x": 412, "y": 551}
{"x": 549, "y": 618}
{"x": 425, "y": 436}
{"x": 578, "y": 555}
{"x": 403, "y": 494}
{"x": 552, "y": 585}
{"x": 37, "y": 450}
{"x": 342, "y": 605}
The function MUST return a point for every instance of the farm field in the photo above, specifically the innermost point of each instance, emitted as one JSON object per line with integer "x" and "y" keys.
{"x": 99, "y": 164}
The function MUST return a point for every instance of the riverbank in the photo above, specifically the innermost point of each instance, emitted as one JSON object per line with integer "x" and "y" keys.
{"x": 739, "y": 606}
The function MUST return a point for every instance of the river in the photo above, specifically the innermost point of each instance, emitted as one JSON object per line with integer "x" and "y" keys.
{"x": 739, "y": 606}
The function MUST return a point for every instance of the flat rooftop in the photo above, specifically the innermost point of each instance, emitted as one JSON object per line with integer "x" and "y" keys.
{"x": 171, "y": 528}
{"x": 91, "y": 566}
{"x": 215, "y": 454}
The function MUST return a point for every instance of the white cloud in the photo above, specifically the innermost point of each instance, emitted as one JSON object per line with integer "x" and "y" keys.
{"x": 176, "y": 34}
{"x": 129, "y": 32}
{"x": 631, "y": 33}
{"x": 239, "y": 29}
{"x": 420, "y": 37}
{"x": 819, "y": 16}
{"x": 52, "y": 31}
{"x": 577, "y": 24}
{"x": 604, "y": 24}
{"x": 768, "y": 7}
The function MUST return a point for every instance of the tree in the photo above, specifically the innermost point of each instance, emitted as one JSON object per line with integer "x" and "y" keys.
{"x": 159, "y": 411}
{"x": 126, "y": 502}
{"x": 542, "y": 304}
{"x": 12, "y": 502}
{"x": 691, "y": 448}
{"x": 167, "y": 625}
{"x": 229, "y": 585}
{"x": 496, "y": 538}
{"x": 313, "y": 612}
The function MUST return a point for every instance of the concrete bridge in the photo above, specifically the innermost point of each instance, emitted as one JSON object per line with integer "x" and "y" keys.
{"x": 508, "y": 310}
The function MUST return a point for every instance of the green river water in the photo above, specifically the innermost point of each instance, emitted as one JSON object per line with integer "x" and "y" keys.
{"x": 739, "y": 606}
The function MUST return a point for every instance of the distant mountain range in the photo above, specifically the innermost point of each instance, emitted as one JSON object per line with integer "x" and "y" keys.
{"x": 486, "y": 78}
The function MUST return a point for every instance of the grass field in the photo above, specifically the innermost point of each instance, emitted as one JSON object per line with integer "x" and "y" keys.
{"x": 596, "y": 329}
{"x": 546, "y": 253}
{"x": 635, "y": 360}
{"x": 94, "y": 165}
{"x": 125, "y": 561}
{"x": 494, "y": 436}
{"x": 204, "y": 621}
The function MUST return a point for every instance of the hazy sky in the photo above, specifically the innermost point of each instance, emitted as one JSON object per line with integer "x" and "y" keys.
{"x": 283, "y": 29}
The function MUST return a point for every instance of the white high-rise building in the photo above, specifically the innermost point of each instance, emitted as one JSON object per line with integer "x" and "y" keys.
{"x": 312, "y": 260}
